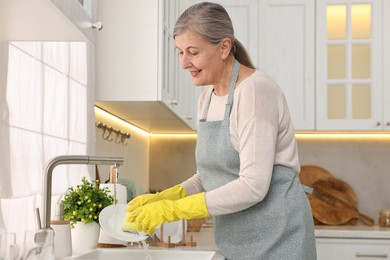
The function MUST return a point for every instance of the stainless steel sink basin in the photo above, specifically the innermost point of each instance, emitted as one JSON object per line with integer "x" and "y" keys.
{"x": 150, "y": 254}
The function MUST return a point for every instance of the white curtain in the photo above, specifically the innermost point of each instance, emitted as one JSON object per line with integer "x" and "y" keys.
{"x": 46, "y": 110}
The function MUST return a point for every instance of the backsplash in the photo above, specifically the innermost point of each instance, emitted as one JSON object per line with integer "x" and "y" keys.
{"x": 364, "y": 165}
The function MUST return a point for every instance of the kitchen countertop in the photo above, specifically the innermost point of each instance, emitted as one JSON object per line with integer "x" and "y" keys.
{"x": 205, "y": 238}
{"x": 344, "y": 231}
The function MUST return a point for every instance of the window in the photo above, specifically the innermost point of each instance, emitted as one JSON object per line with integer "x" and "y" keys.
{"x": 47, "y": 111}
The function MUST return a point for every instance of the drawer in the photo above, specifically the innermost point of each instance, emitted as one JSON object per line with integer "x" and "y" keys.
{"x": 348, "y": 249}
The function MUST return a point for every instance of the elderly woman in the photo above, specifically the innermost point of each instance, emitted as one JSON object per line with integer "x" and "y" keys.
{"x": 246, "y": 153}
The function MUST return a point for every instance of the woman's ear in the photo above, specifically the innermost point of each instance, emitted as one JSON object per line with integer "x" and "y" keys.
{"x": 226, "y": 47}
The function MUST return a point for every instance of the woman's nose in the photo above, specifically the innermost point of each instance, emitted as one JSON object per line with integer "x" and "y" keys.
{"x": 185, "y": 62}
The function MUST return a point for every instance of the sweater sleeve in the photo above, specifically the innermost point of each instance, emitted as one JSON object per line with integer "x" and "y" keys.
{"x": 193, "y": 185}
{"x": 262, "y": 133}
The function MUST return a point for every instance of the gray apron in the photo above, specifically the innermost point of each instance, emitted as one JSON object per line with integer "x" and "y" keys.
{"x": 280, "y": 226}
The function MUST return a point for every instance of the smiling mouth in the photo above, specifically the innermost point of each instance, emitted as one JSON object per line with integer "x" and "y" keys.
{"x": 194, "y": 73}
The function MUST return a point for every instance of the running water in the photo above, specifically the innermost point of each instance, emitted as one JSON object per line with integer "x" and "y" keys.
{"x": 146, "y": 248}
{"x": 115, "y": 168}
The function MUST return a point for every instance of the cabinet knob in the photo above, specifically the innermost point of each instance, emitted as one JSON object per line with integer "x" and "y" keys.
{"x": 97, "y": 25}
{"x": 388, "y": 123}
{"x": 189, "y": 117}
{"x": 173, "y": 102}
{"x": 378, "y": 123}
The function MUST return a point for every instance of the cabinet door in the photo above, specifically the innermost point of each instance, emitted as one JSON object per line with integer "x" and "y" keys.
{"x": 177, "y": 92}
{"x": 349, "y": 249}
{"x": 127, "y": 51}
{"x": 349, "y": 65}
{"x": 168, "y": 12}
{"x": 286, "y": 52}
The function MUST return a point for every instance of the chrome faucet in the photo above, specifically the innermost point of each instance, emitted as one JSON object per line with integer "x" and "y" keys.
{"x": 68, "y": 159}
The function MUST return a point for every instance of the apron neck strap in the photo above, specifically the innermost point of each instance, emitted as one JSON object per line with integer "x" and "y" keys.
{"x": 229, "y": 104}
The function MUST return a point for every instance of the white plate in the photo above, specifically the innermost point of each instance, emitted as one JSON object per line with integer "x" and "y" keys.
{"x": 174, "y": 230}
{"x": 111, "y": 220}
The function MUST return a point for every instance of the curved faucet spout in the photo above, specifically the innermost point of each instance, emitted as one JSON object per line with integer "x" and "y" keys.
{"x": 67, "y": 159}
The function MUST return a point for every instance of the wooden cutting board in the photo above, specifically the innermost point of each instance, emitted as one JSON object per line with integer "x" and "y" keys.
{"x": 320, "y": 179}
{"x": 337, "y": 188}
{"x": 334, "y": 190}
{"x": 331, "y": 211}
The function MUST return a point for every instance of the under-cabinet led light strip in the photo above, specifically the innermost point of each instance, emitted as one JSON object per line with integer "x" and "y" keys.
{"x": 136, "y": 129}
{"x": 300, "y": 136}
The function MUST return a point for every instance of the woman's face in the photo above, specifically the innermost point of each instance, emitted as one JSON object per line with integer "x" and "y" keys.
{"x": 202, "y": 59}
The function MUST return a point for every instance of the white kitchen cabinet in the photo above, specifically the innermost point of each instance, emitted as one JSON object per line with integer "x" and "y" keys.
{"x": 294, "y": 48}
{"x": 128, "y": 51}
{"x": 349, "y": 86}
{"x": 352, "y": 242}
{"x": 178, "y": 92}
{"x": 286, "y": 51}
{"x": 349, "y": 249}
{"x": 137, "y": 68}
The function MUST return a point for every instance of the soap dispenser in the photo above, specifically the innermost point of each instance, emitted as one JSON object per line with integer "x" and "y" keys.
{"x": 62, "y": 234}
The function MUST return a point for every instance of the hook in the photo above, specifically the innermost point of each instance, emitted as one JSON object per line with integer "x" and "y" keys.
{"x": 121, "y": 136}
{"x": 110, "y": 129}
{"x": 104, "y": 135}
{"x": 118, "y": 134}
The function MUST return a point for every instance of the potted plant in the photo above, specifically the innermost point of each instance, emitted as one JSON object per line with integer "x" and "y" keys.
{"x": 82, "y": 206}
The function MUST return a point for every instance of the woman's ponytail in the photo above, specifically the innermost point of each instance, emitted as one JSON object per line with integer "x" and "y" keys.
{"x": 241, "y": 54}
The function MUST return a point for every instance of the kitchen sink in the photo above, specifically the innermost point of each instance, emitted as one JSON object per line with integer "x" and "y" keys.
{"x": 150, "y": 254}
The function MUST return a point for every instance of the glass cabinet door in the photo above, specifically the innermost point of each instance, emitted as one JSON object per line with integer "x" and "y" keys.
{"x": 349, "y": 88}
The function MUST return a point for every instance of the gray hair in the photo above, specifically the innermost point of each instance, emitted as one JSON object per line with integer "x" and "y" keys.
{"x": 212, "y": 22}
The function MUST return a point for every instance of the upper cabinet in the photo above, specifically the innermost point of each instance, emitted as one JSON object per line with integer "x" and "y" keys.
{"x": 350, "y": 87}
{"x": 46, "y": 20}
{"x": 286, "y": 35}
{"x": 328, "y": 56}
{"x": 128, "y": 51}
{"x": 178, "y": 92}
{"x": 136, "y": 66}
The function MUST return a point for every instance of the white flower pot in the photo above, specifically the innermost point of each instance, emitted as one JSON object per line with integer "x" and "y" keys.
{"x": 84, "y": 237}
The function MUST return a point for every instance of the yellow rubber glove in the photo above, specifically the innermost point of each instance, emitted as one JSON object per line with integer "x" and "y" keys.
{"x": 173, "y": 193}
{"x": 149, "y": 216}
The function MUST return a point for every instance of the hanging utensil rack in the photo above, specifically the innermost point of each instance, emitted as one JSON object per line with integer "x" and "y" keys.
{"x": 111, "y": 134}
